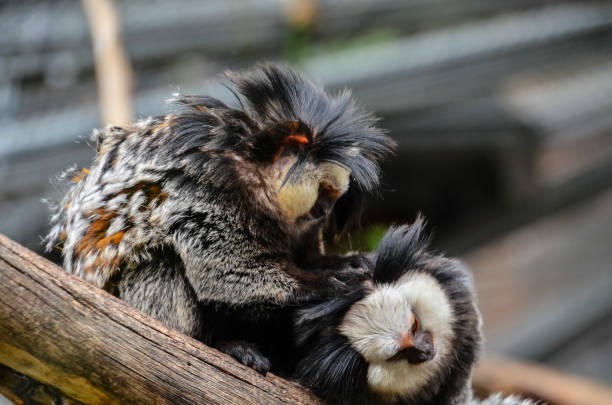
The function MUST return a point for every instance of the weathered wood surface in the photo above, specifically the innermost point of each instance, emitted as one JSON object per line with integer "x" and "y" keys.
{"x": 503, "y": 375}
{"x": 96, "y": 349}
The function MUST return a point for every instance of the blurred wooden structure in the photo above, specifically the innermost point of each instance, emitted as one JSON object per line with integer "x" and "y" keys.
{"x": 491, "y": 99}
{"x": 537, "y": 382}
{"x": 544, "y": 288}
{"x": 501, "y": 110}
{"x": 113, "y": 71}
{"x": 83, "y": 345}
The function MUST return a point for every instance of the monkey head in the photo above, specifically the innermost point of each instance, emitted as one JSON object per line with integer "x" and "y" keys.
{"x": 402, "y": 330}
{"x": 316, "y": 152}
{"x": 410, "y": 335}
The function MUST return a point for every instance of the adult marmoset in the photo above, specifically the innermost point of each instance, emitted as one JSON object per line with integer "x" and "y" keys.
{"x": 409, "y": 336}
{"x": 210, "y": 218}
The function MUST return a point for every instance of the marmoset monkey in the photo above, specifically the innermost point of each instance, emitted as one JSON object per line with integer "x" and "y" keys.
{"x": 212, "y": 216}
{"x": 410, "y": 336}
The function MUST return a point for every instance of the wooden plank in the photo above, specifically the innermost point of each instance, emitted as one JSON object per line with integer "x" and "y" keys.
{"x": 546, "y": 281}
{"x": 402, "y": 76}
{"x": 96, "y": 349}
{"x": 496, "y": 374}
{"x": 217, "y": 28}
{"x": 21, "y": 389}
{"x": 588, "y": 353}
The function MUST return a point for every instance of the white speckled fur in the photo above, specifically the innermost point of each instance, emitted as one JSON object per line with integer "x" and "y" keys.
{"x": 497, "y": 399}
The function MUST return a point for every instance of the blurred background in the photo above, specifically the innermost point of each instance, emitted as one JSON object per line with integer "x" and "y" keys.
{"x": 502, "y": 111}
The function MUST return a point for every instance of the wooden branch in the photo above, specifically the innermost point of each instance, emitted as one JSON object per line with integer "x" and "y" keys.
{"x": 510, "y": 377}
{"x": 21, "y": 390}
{"x": 113, "y": 72}
{"x": 80, "y": 343}
{"x": 94, "y": 348}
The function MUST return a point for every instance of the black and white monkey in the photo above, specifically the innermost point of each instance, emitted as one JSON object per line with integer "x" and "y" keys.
{"x": 410, "y": 336}
{"x": 210, "y": 218}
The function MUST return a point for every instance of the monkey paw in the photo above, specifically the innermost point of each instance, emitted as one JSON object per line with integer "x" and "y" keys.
{"x": 247, "y": 354}
{"x": 358, "y": 262}
{"x": 355, "y": 272}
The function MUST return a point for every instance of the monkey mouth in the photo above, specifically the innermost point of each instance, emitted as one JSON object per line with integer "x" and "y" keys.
{"x": 414, "y": 355}
{"x": 321, "y": 208}
{"x": 319, "y": 211}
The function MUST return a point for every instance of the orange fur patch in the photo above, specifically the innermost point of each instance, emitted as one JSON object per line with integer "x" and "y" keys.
{"x": 95, "y": 239}
{"x": 153, "y": 192}
{"x": 80, "y": 176}
{"x": 95, "y": 232}
{"x": 299, "y": 139}
{"x": 296, "y": 138}
{"x": 110, "y": 240}
{"x": 163, "y": 125}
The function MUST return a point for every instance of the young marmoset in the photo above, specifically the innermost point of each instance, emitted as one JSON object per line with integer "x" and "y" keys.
{"x": 411, "y": 336}
{"x": 209, "y": 219}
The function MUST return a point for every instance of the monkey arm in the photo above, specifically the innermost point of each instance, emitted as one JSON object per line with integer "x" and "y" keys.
{"x": 228, "y": 267}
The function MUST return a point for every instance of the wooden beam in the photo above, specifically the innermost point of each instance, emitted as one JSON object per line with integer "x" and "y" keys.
{"x": 21, "y": 390}
{"x": 496, "y": 374}
{"x": 94, "y": 348}
{"x": 67, "y": 339}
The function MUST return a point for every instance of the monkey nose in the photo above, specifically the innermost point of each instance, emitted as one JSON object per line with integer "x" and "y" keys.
{"x": 417, "y": 356}
{"x": 416, "y": 349}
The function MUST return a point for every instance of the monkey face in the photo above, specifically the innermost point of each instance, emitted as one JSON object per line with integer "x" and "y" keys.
{"x": 401, "y": 329}
{"x": 405, "y": 336}
{"x": 313, "y": 194}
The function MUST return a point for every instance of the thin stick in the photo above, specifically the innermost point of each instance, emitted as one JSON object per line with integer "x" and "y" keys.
{"x": 113, "y": 71}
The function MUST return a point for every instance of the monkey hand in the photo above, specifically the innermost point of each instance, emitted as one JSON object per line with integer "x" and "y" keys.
{"x": 247, "y": 354}
{"x": 359, "y": 262}
{"x": 354, "y": 272}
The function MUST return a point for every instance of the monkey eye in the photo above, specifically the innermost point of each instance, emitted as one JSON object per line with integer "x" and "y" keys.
{"x": 415, "y": 324}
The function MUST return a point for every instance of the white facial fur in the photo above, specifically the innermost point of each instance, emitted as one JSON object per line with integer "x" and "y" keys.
{"x": 373, "y": 327}
{"x": 297, "y": 198}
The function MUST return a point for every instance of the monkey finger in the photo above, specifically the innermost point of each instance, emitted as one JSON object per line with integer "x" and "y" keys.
{"x": 247, "y": 354}
{"x": 359, "y": 262}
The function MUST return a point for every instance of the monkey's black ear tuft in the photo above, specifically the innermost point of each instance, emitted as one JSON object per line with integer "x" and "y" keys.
{"x": 197, "y": 103}
{"x": 333, "y": 370}
{"x": 282, "y": 138}
{"x": 329, "y": 366}
{"x": 400, "y": 250}
{"x": 312, "y": 321}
